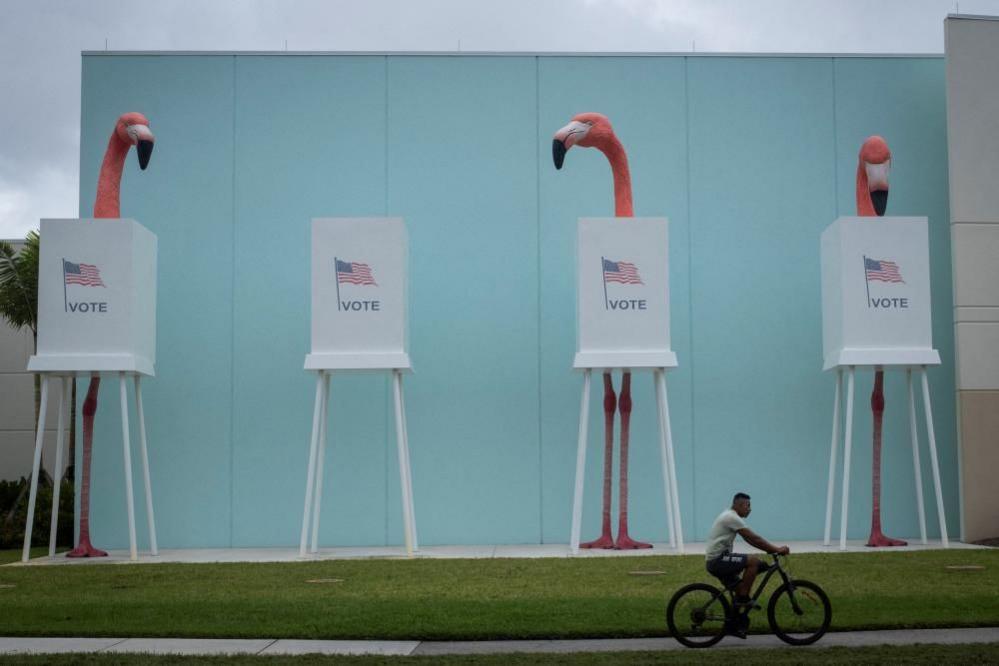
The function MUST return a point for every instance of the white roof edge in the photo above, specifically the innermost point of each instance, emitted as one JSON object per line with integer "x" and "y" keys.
{"x": 973, "y": 17}
{"x": 523, "y": 54}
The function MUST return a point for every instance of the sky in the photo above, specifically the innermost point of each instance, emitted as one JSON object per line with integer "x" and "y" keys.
{"x": 41, "y": 42}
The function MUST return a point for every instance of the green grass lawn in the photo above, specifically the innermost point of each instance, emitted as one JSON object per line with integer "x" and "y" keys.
{"x": 14, "y": 555}
{"x": 438, "y": 599}
{"x": 915, "y": 654}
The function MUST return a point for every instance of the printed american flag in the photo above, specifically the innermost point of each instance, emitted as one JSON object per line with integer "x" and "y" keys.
{"x": 882, "y": 270}
{"x": 621, "y": 271}
{"x": 86, "y": 274}
{"x": 351, "y": 272}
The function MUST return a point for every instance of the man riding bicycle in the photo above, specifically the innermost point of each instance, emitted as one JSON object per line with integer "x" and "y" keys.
{"x": 725, "y": 565}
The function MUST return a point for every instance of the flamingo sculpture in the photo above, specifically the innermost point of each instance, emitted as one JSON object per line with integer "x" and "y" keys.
{"x": 593, "y": 130}
{"x": 872, "y": 200}
{"x": 131, "y": 129}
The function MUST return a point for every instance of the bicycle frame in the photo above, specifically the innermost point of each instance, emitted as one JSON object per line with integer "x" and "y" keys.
{"x": 777, "y": 568}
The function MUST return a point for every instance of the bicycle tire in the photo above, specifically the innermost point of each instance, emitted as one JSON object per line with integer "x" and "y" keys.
{"x": 689, "y": 604}
{"x": 808, "y": 626}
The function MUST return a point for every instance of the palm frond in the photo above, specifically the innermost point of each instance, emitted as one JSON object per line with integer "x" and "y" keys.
{"x": 19, "y": 283}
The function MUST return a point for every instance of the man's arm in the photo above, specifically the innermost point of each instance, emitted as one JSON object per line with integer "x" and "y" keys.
{"x": 754, "y": 539}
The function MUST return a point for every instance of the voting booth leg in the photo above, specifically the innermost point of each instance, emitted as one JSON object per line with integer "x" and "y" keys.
{"x": 36, "y": 464}
{"x": 400, "y": 435}
{"x": 409, "y": 466}
{"x": 915, "y": 457}
{"x": 577, "y": 498}
{"x": 317, "y": 498}
{"x": 848, "y": 432}
{"x": 150, "y": 519}
{"x": 933, "y": 457}
{"x": 830, "y": 491}
{"x": 665, "y": 443}
{"x": 312, "y": 463}
{"x": 665, "y": 462}
{"x": 130, "y": 503}
{"x": 57, "y": 477}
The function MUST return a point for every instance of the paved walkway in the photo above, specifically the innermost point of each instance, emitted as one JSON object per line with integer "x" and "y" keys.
{"x": 268, "y": 646}
{"x": 201, "y": 555}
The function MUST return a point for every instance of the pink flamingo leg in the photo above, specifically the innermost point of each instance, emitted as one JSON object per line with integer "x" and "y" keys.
{"x": 610, "y": 404}
{"x": 874, "y": 162}
{"x": 131, "y": 129}
{"x": 593, "y": 130}
{"x": 84, "y": 547}
{"x": 877, "y": 538}
{"x": 625, "y": 542}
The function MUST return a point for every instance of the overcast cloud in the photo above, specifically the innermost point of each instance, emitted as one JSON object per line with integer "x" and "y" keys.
{"x": 41, "y": 41}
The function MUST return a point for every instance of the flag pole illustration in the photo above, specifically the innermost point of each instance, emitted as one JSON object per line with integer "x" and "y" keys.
{"x": 603, "y": 275}
{"x": 867, "y": 282}
{"x": 336, "y": 274}
{"x": 65, "y": 298}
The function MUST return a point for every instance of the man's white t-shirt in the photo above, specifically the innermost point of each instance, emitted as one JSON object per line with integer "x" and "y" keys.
{"x": 722, "y": 534}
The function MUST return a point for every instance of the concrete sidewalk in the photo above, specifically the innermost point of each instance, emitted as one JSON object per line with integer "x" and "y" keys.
{"x": 531, "y": 551}
{"x": 267, "y": 646}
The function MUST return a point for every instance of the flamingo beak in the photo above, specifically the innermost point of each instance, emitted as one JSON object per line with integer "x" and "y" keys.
{"x": 880, "y": 200}
{"x": 558, "y": 152}
{"x": 143, "y": 140}
{"x": 877, "y": 185}
{"x": 565, "y": 139}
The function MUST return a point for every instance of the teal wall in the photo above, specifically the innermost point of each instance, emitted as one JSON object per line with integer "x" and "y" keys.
{"x": 749, "y": 157}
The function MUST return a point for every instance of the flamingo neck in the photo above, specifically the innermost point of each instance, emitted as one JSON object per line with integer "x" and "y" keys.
{"x": 108, "y": 202}
{"x": 622, "y": 177}
{"x": 865, "y": 207}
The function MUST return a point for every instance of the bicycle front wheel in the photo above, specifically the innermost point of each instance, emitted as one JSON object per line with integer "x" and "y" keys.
{"x": 696, "y": 615}
{"x": 799, "y": 612}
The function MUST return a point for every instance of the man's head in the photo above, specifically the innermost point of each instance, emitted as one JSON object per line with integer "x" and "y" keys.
{"x": 741, "y": 504}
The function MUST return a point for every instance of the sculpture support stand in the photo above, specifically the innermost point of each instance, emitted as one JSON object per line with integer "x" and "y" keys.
{"x": 60, "y": 443}
{"x": 317, "y": 448}
{"x": 848, "y": 441}
{"x": 666, "y": 452}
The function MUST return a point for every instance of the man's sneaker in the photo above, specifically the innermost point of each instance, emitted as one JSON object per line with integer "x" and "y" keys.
{"x": 737, "y": 631}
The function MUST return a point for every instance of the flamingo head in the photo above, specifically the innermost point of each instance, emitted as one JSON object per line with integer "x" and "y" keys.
{"x": 875, "y": 163}
{"x": 133, "y": 129}
{"x": 586, "y": 130}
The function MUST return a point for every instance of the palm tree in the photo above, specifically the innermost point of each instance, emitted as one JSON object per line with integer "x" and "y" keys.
{"x": 19, "y": 307}
{"x": 19, "y": 291}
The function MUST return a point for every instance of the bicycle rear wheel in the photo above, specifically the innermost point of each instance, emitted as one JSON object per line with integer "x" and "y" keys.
{"x": 799, "y": 612}
{"x": 696, "y": 615}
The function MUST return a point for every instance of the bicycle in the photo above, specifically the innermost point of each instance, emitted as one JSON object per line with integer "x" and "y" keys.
{"x": 700, "y": 615}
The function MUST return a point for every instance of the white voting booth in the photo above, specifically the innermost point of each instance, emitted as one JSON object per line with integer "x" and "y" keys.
{"x": 359, "y": 305}
{"x": 876, "y": 314}
{"x": 96, "y": 315}
{"x": 623, "y": 323}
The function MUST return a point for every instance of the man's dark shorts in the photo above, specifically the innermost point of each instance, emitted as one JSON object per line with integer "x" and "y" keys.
{"x": 727, "y": 567}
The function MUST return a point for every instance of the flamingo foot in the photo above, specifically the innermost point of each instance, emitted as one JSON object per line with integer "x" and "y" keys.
{"x": 625, "y": 542}
{"x": 605, "y": 541}
{"x": 879, "y": 540}
{"x": 86, "y": 550}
